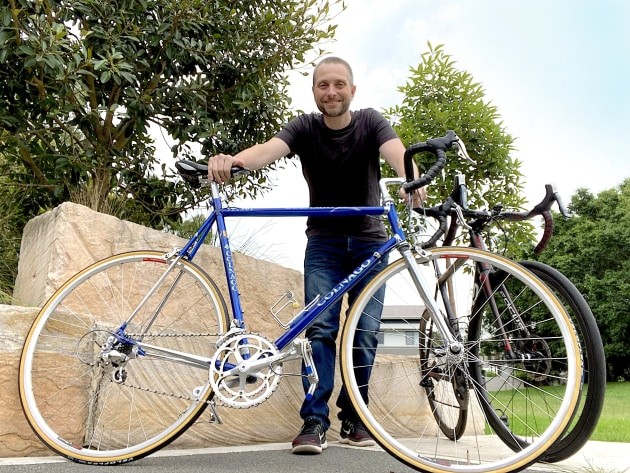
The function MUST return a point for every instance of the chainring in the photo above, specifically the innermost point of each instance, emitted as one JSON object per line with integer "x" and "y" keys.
{"x": 234, "y": 381}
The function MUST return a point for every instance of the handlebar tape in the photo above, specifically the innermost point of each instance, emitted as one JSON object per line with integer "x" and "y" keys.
{"x": 547, "y": 232}
{"x": 192, "y": 172}
{"x": 437, "y": 146}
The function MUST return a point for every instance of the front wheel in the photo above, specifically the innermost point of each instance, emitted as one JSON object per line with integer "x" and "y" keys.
{"x": 100, "y": 381}
{"x": 392, "y": 402}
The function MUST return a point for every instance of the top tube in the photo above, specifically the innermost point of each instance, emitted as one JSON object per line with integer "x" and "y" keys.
{"x": 302, "y": 211}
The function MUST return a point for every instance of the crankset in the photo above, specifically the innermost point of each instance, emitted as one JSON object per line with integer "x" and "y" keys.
{"x": 245, "y": 370}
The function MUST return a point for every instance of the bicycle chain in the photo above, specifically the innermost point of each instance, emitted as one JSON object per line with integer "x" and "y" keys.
{"x": 178, "y": 396}
{"x": 164, "y": 393}
{"x": 152, "y": 335}
{"x": 169, "y": 335}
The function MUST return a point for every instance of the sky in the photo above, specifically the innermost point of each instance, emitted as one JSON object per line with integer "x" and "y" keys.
{"x": 558, "y": 72}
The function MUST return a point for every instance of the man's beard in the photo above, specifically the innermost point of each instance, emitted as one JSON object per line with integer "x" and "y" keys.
{"x": 344, "y": 108}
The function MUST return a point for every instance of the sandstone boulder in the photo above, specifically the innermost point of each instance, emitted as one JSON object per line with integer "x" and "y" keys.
{"x": 63, "y": 241}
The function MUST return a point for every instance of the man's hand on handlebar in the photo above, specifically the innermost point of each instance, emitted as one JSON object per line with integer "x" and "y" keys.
{"x": 219, "y": 167}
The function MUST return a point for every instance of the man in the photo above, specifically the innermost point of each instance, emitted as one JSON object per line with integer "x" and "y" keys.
{"x": 340, "y": 154}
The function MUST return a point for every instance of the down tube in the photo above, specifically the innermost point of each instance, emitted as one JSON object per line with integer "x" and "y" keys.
{"x": 311, "y": 312}
{"x": 228, "y": 260}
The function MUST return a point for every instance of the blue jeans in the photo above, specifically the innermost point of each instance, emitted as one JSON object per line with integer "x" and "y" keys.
{"x": 327, "y": 261}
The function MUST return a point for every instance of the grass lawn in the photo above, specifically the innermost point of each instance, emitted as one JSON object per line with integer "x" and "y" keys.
{"x": 614, "y": 421}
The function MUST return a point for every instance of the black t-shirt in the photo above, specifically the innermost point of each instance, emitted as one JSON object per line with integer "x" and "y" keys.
{"x": 342, "y": 169}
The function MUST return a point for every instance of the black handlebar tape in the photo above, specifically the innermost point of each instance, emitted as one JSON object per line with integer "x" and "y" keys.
{"x": 429, "y": 175}
{"x": 545, "y": 204}
{"x": 440, "y": 215}
{"x": 237, "y": 171}
{"x": 437, "y": 146}
{"x": 409, "y": 154}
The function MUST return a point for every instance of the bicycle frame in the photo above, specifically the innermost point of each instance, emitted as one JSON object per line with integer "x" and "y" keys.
{"x": 461, "y": 210}
{"x": 302, "y": 320}
{"x": 143, "y": 342}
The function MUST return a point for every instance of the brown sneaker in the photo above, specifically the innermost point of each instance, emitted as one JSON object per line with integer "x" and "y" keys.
{"x": 311, "y": 439}
{"x": 354, "y": 433}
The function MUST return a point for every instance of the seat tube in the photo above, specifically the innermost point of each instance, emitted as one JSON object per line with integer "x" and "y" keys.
{"x": 230, "y": 271}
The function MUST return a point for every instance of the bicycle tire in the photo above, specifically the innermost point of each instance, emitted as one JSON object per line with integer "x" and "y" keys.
{"x": 85, "y": 406}
{"x": 590, "y": 407}
{"x": 398, "y": 419}
{"x": 530, "y": 349}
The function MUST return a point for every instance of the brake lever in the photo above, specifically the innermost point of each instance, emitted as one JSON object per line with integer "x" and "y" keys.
{"x": 563, "y": 210}
{"x": 462, "y": 152}
{"x": 460, "y": 217}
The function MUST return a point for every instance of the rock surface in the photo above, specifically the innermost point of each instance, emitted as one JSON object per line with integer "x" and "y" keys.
{"x": 63, "y": 241}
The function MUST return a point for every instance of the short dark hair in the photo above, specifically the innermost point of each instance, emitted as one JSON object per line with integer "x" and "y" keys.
{"x": 334, "y": 60}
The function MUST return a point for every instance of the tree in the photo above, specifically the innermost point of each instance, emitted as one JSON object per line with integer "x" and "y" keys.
{"x": 10, "y": 242}
{"x": 439, "y": 97}
{"x": 592, "y": 248}
{"x": 81, "y": 81}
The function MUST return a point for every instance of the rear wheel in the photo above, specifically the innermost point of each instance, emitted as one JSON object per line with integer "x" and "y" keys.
{"x": 97, "y": 389}
{"x": 446, "y": 385}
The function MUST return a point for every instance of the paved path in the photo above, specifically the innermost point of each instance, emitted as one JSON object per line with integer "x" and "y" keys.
{"x": 595, "y": 457}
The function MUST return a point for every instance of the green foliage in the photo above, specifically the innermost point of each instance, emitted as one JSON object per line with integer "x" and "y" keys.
{"x": 10, "y": 241}
{"x": 614, "y": 422}
{"x": 439, "y": 97}
{"x": 81, "y": 82}
{"x": 592, "y": 248}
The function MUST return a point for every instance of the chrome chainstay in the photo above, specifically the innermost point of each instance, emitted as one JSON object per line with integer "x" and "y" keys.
{"x": 169, "y": 335}
{"x": 164, "y": 393}
{"x": 247, "y": 400}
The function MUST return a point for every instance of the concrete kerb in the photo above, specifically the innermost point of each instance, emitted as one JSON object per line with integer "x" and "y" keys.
{"x": 594, "y": 457}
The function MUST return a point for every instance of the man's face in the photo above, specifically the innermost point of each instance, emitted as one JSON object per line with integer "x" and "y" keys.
{"x": 332, "y": 90}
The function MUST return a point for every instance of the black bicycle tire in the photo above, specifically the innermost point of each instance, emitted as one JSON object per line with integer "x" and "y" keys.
{"x": 580, "y": 430}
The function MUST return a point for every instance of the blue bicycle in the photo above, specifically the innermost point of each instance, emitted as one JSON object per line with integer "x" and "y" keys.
{"x": 128, "y": 353}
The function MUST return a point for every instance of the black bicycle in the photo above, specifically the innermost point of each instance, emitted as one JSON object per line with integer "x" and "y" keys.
{"x": 531, "y": 355}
